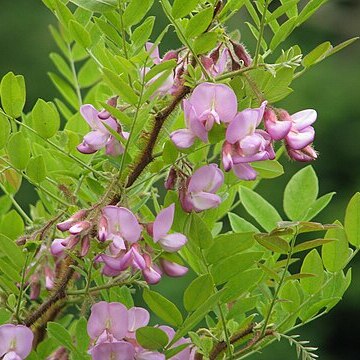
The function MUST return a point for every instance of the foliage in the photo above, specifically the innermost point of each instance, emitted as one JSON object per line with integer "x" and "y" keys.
{"x": 255, "y": 282}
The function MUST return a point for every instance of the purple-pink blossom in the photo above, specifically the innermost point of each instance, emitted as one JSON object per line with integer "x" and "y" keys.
{"x": 112, "y": 330}
{"x": 199, "y": 192}
{"x": 209, "y": 104}
{"x": 15, "y": 342}
{"x": 100, "y": 137}
{"x": 170, "y": 242}
{"x": 245, "y": 143}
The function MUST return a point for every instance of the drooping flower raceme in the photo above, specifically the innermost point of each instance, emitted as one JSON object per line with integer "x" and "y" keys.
{"x": 245, "y": 143}
{"x": 15, "y": 342}
{"x": 112, "y": 330}
{"x": 198, "y": 193}
{"x": 208, "y": 104}
{"x": 100, "y": 137}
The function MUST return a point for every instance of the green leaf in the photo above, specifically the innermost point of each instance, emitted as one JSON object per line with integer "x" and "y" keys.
{"x": 198, "y": 292}
{"x": 336, "y": 254}
{"x": 5, "y": 130}
{"x": 197, "y": 316}
{"x": 240, "y": 225}
{"x": 120, "y": 86}
{"x": 312, "y": 264}
{"x": 316, "y": 55}
{"x": 300, "y": 193}
{"x": 263, "y": 212}
{"x": 310, "y": 8}
{"x": 319, "y": 204}
{"x": 199, "y": 23}
{"x": 163, "y": 307}
{"x": 97, "y": 5}
{"x": 205, "y": 42}
{"x": 233, "y": 265}
{"x": 142, "y": 33}
{"x": 268, "y": 169}
{"x": 62, "y": 66}
{"x": 18, "y": 149}
{"x": 157, "y": 69}
{"x": 13, "y": 94}
{"x": 240, "y": 284}
{"x": 11, "y": 250}
{"x": 170, "y": 153}
{"x": 290, "y": 293}
{"x": 281, "y": 10}
{"x": 151, "y": 338}
{"x": 198, "y": 232}
{"x": 284, "y": 31}
{"x": 229, "y": 244}
{"x": 65, "y": 89}
{"x": 352, "y": 220}
{"x": 312, "y": 244}
{"x": 45, "y": 119}
{"x": 80, "y": 34}
{"x": 135, "y": 11}
{"x": 36, "y": 169}
{"x": 60, "y": 334}
{"x": 273, "y": 243}
{"x": 182, "y": 8}
{"x": 82, "y": 337}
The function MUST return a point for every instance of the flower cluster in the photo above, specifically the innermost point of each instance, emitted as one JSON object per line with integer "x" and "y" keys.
{"x": 126, "y": 250}
{"x": 15, "y": 342}
{"x": 244, "y": 141}
{"x": 112, "y": 330}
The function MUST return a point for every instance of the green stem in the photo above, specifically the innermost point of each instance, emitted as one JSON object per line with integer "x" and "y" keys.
{"x": 21, "y": 291}
{"x": 261, "y": 33}
{"x": 16, "y": 205}
{"x": 267, "y": 319}
{"x": 75, "y": 78}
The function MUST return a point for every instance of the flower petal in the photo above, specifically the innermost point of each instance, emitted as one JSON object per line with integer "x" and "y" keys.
{"x": 244, "y": 172}
{"x": 173, "y": 242}
{"x": 96, "y": 139}
{"x": 138, "y": 317}
{"x": 17, "y": 338}
{"x": 207, "y": 178}
{"x": 90, "y": 114}
{"x": 183, "y": 138}
{"x": 97, "y": 320}
{"x": 163, "y": 222}
{"x": 150, "y": 355}
{"x": 123, "y": 221}
{"x": 304, "y": 118}
{"x": 299, "y": 140}
{"x": 204, "y": 201}
{"x": 173, "y": 269}
{"x": 120, "y": 350}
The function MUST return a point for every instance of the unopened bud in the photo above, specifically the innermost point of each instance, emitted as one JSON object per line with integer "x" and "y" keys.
{"x": 171, "y": 180}
{"x": 241, "y": 53}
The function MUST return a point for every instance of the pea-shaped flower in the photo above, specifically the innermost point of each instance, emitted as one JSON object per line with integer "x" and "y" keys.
{"x": 15, "y": 342}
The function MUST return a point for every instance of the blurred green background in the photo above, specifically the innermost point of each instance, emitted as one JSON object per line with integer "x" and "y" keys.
{"x": 332, "y": 88}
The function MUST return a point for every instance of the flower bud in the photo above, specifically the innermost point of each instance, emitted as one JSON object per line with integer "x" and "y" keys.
{"x": 278, "y": 130}
{"x": 79, "y": 227}
{"x": 104, "y": 114}
{"x": 171, "y": 55}
{"x": 242, "y": 54}
{"x": 173, "y": 269}
{"x": 304, "y": 155}
{"x": 102, "y": 231}
{"x": 67, "y": 224}
{"x": 34, "y": 287}
{"x": 171, "y": 180}
{"x": 85, "y": 245}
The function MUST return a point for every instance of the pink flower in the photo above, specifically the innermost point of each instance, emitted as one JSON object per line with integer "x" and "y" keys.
{"x": 245, "y": 144}
{"x": 173, "y": 269}
{"x": 137, "y": 318}
{"x": 304, "y": 155}
{"x": 208, "y": 104}
{"x": 99, "y": 137}
{"x": 162, "y": 226}
{"x": 15, "y": 342}
{"x": 121, "y": 225}
{"x": 199, "y": 193}
{"x": 108, "y": 318}
{"x": 67, "y": 224}
{"x": 277, "y": 129}
{"x": 118, "y": 350}
{"x": 302, "y": 133}
{"x": 151, "y": 272}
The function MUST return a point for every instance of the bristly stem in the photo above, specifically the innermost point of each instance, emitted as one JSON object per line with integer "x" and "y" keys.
{"x": 261, "y": 33}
